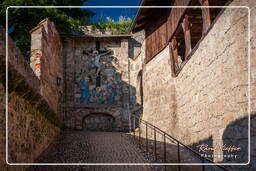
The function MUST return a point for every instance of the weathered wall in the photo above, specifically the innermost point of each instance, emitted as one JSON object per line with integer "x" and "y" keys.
{"x": 32, "y": 124}
{"x": 47, "y": 62}
{"x": 16, "y": 59}
{"x": 135, "y": 70}
{"x": 2, "y": 127}
{"x": 108, "y": 95}
{"x": 31, "y": 128}
{"x": 104, "y": 82}
{"x": 135, "y": 44}
{"x": 208, "y": 101}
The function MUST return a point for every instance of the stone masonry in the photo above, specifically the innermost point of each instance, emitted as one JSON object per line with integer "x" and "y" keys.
{"x": 108, "y": 90}
{"x": 207, "y": 103}
{"x": 47, "y": 63}
{"x": 32, "y": 125}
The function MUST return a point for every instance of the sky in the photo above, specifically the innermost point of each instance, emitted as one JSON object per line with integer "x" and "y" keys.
{"x": 113, "y": 13}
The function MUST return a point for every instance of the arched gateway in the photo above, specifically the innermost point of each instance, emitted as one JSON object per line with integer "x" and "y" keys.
{"x": 99, "y": 122}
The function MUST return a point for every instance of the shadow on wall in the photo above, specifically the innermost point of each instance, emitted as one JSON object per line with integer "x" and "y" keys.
{"x": 202, "y": 145}
{"x": 134, "y": 47}
{"x": 236, "y": 135}
{"x": 185, "y": 155}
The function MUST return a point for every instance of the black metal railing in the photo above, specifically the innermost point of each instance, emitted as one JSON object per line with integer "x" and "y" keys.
{"x": 137, "y": 126}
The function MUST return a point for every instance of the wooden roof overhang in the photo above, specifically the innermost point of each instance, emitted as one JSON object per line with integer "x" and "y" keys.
{"x": 144, "y": 15}
{"x": 95, "y": 37}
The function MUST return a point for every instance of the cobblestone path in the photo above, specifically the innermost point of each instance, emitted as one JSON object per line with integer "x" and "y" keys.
{"x": 92, "y": 147}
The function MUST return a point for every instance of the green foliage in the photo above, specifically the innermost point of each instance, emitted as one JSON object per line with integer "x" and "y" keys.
{"x": 67, "y": 20}
{"x": 2, "y": 73}
{"x": 120, "y": 27}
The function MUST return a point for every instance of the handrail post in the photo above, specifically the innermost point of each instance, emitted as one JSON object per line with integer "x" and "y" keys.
{"x": 155, "y": 143}
{"x": 166, "y": 135}
{"x": 139, "y": 134}
{"x": 134, "y": 127}
{"x": 178, "y": 146}
{"x": 203, "y": 168}
{"x": 164, "y": 149}
{"x": 146, "y": 136}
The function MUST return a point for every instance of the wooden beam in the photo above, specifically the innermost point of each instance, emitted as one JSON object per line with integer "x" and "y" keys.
{"x": 193, "y": 38}
{"x": 174, "y": 52}
{"x": 144, "y": 20}
{"x": 185, "y": 25}
{"x": 138, "y": 27}
{"x": 193, "y": 13}
{"x": 144, "y": 17}
{"x": 206, "y": 15}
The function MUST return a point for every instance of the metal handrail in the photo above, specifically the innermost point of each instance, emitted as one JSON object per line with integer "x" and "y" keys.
{"x": 169, "y": 137}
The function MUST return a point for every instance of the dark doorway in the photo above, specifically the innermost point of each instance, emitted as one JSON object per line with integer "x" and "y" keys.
{"x": 139, "y": 88}
{"x": 99, "y": 122}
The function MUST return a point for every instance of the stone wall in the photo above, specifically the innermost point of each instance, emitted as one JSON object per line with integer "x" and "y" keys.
{"x": 208, "y": 101}
{"x": 135, "y": 44}
{"x": 136, "y": 65}
{"x": 96, "y": 84}
{"x": 32, "y": 124}
{"x": 104, "y": 79}
{"x": 47, "y": 62}
{"x": 17, "y": 60}
{"x": 30, "y": 129}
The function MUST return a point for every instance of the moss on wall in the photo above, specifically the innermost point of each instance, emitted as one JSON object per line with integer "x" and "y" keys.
{"x": 18, "y": 85}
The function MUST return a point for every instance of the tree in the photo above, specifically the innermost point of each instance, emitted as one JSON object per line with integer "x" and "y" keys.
{"x": 21, "y": 20}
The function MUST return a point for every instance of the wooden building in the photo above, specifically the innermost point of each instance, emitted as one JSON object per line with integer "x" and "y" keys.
{"x": 181, "y": 28}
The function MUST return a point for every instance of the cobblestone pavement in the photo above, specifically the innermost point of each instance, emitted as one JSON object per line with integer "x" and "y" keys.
{"x": 92, "y": 147}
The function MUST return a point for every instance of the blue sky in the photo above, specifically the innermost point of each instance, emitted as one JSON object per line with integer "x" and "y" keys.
{"x": 113, "y": 13}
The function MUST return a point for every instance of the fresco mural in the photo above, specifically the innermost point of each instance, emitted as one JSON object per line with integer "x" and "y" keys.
{"x": 98, "y": 80}
{"x": 35, "y": 61}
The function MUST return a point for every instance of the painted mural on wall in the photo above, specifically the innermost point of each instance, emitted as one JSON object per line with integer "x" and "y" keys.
{"x": 35, "y": 61}
{"x": 97, "y": 78}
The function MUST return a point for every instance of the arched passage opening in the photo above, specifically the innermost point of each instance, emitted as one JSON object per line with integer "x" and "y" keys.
{"x": 98, "y": 122}
{"x": 139, "y": 88}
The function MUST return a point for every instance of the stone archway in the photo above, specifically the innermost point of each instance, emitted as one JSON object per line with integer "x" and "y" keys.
{"x": 139, "y": 88}
{"x": 99, "y": 122}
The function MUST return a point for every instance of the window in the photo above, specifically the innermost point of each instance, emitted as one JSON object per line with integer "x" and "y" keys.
{"x": 192, "y": 26}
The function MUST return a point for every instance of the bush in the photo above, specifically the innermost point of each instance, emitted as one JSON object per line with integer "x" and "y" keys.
{"x": 120, "y": 27}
